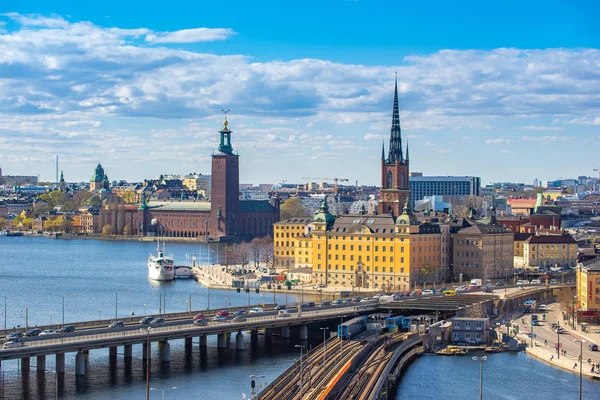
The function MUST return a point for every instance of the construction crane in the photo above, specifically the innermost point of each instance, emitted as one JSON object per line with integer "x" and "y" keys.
{"x": 335, "y": 181}
{"x": 598, "y": 171}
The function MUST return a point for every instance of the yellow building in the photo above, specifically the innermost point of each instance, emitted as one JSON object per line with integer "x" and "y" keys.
{"x": 374, "y": 251}
{"x": 284, "y": 243}
{"x": 588, "y": 285}
{"x": 547, "y": 250}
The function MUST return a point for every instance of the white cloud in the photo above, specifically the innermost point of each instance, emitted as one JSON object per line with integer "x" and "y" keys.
{"x": 498, "y": 141}
{"x": 190, "y": 35}
{"x": 538, "y": 128}
{"x": 506, "y": 151}
{"x": 374, "y": 136}
{"x": 549, "y": 139}
{"x": 65, "y": 77}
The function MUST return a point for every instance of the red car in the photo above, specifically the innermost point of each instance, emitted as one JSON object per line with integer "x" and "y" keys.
{"x": 199, "y": 316}
{"x": 223, "y": 313}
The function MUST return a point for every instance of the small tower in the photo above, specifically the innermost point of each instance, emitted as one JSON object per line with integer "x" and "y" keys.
{"x": 61, "y": 183}
{"x": 323, "y": 219}
{"x": 97, "y": 178}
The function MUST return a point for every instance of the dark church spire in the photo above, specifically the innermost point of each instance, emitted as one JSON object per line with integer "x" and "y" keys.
{"x": 407, "y": 151}
{"x": 383, "y": 150}
{"x": 395, "y": 152}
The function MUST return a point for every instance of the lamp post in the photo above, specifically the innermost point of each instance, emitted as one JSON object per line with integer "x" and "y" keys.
{"x": 558, "y": 339}
{"x": 324, "y": 348}
{"x": 481, "y": 360}
{"x": 531, "y": 334}
{"x": 164, "y": 390}
{"x": 145, "y": 309}
{"x": 581, "y": 342}
{"x": 148, "y": 363}
{"x": 5, "y": 316}
{"x": 301, "y": 370}
{"x": 253, "y": 384}
{"x": 116, "y": 306}
{"x": 50, "y": 317}
{"x": 100, "y": 312}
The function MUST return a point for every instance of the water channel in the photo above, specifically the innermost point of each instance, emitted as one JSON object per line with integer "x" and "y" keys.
{"x": 35, "y": 272}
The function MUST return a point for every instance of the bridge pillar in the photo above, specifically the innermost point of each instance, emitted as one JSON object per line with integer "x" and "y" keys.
{"x": 41, "y": 363}
{"x": 254, "y": 335}
{"x": 60, "y": 363}
{"x": 203, "y": 342}
{"x": 188, "y": 344}
{"x": 128, "y": 352}
{"x": 221, "y": 341}
{"x": 80, "y": 364}
{"x": 304, "y": 332}
{"x": 165, "y": 351}
{"x": 285, "y": 332}
{"x": 86, "y": 354}
{"x": 239, "y": 341}
{"x": 269, "y": 333}
{"x": 145, "y": 352}
{"x": 25, "y": 362}
{"x": 112, "y": 354}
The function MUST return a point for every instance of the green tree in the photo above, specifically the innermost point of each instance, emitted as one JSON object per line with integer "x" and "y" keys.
{"x": 3, "y": 223}
{"x": 106, "y": 230}
{"x": 27, "y": 223}
{"x": 293, "y": 207}
{"x": 128, "y": 196}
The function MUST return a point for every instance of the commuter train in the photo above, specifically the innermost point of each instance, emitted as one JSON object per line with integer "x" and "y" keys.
{"x": 352, "y": 327}
{"x": 402, "y": 323}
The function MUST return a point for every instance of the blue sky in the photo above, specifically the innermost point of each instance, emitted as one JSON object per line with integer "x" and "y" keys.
{"x": 508, "y": 91}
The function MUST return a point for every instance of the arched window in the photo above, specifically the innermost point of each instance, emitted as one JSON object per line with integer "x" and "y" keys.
{"x": 389, "y": 180}
{"x": 402, "y": 182}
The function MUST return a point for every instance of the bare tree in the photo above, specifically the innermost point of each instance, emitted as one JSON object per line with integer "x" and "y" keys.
{"x": 241, "y": 254}
{"x": 256, "y": 247}
{"x": 267, "y": 251}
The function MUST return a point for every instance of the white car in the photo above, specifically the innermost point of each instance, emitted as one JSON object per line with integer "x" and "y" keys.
{"x": 12, "y": 344}
{"x": 428, "y": 292}
{"x": 536, "y": 282}
{"x": 283, "y": 314}
{"x": 543, "y": 307}
{"x": 461, "y": 288}
{"x": 256, "y": 310}
{"x": 48, "y": 332}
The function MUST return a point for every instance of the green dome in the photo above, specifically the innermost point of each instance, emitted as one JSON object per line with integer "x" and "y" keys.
{"x": 98, "y": 174}
{"x": 323, "y": 215}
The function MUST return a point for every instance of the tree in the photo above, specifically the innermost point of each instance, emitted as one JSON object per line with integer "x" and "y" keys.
{"x": 127, "y": 230}
{"x": 128, "y": 196}
{"x": 3, "y": 223}
{"x": 240, "y": 254}
{"x": 293, "y": 207}
{"x": 106, "y": 230}
{"x": 267, "y": 251}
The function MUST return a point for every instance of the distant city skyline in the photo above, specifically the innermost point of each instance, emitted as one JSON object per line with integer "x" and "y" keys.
{"x": 483, "y": 91}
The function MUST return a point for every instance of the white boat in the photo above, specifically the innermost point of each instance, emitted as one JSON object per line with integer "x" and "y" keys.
{"x": 160, "y": 266}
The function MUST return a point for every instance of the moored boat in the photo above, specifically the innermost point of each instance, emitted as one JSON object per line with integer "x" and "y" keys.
{"x": 160, "y": 266}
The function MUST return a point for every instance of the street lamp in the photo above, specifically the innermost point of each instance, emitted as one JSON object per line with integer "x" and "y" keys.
{"x": 324, "y": 348}
{"x": 301, "y": 370}
{"x": 164, "y": 390}
{"x": 581, "y": 342}
{"x": 481, "y": 360}
{"x": 253, "y": 384}
{"x": 5, "y": 316}
{"x": 50, "y": 317}
{"x": 145, "y": 312}
{"x": 148, "y": 363}
{"x": 116, "y": 306}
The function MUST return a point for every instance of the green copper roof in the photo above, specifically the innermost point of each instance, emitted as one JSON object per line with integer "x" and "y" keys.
{"x": 323, "y": 215}
{"x": 98, "y": 174}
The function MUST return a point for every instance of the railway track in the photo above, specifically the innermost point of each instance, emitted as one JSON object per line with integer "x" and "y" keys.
{"x": 314, "y": 375}
{"x": 361, "y": 383}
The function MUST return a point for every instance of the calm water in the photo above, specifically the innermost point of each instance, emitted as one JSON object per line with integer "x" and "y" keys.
{"x": 506, "y": 376}
{"x": 35, "y": 272}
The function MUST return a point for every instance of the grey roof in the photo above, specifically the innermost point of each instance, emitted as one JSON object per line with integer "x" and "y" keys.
{"x": 296, "y": 220}
{"x": 179, "y": 205}
{"x": 592, "y": 265}
{"x": 256, "y": 205}
{"x": 375, "y": 223}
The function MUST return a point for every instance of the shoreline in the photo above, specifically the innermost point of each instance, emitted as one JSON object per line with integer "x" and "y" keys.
{"x": 119, "y": 238}
{"x": 565, "y": 363}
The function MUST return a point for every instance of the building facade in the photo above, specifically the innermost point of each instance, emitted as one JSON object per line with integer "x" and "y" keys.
{"x": 285, "y": 246}
{"x": 483, "y": 251}
{"x": 549, "y": 250}
{"x": 422, "y": 186}
{"x": 588, "y": 285}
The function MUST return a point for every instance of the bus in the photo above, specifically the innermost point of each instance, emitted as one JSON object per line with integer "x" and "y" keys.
{"x": 530, "y": 306}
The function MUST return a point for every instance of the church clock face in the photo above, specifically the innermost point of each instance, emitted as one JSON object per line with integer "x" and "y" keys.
{"x": 388, "y": 196}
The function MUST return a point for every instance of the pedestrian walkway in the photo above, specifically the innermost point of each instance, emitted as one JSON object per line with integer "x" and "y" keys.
{"x": 548, "y": 355}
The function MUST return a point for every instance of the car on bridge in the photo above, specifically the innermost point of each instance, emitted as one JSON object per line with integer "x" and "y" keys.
{"x": 223, "y": 313}
{"x": 500, "y": 283}
{"x": 255, "y": 310}
{"x": 15, "y": 335}
{"x": 240, "y": 312}
{"x": 283, "y": 314}
{"x": 14, "y": 343}
{"x": 147, "y": 320}
{"x": 553, "y": 281}
{"x": 338, "y": 301}
{"x": 67, "y": 329}
{"x": 117, "y": 324}
{"x": 33, "y": 332}
{"x": 220, "y": 318}
{"x": 48, "y": 332}
{"x": 201, "y": 322}
{"x": 157, "y": 321}
{"x": 280, "y": 307}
